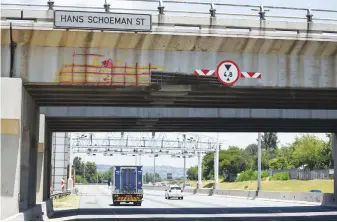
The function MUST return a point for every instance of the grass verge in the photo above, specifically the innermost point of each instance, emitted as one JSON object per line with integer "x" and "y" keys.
{"x": 71, "y": 201}
{"x": 326, "y": 186}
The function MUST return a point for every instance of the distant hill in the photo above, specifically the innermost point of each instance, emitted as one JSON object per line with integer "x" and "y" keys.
{"x": 102, "y": 167}
{"x": 161, "y": 170}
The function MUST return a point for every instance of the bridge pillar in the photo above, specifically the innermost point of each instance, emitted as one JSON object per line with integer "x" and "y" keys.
{"x": 60, "y": 160}
{"x": 19, "y": 145}
{"x": 48, "y": 163}
{"x": 43, "y": 162}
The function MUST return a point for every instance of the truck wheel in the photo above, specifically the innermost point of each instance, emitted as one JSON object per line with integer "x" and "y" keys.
{"x": 168, "y": 198}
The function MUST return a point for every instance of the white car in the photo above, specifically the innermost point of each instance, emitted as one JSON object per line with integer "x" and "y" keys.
{"x": 174, "y": 192}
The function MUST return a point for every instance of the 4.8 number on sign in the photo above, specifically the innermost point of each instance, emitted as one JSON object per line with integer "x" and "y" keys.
{"x": 228, "y": 72}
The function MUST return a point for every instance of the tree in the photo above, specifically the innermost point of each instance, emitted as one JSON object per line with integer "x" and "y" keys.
{"x": 278, "y": 163}
{"x": 78, "y": 165}
{"x": 208, "y": 165}
{"x": 158, "y": 179}
{"x": 269, "y": 141}
{"x": 251, "y": 149}
{"x": 91, "y": 172}
{"x": 232, "y": 162}
{"x": 192, "y": 173}
{"x": 327, "y": 152}
{"x": 147, "y": 178}
{"x": 310, "y": 152}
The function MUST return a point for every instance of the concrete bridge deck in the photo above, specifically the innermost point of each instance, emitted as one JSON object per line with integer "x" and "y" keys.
{"x": 287, "y": 53}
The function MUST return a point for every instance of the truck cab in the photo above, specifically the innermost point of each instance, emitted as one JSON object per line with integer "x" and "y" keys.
{"x": 127, "y": 185}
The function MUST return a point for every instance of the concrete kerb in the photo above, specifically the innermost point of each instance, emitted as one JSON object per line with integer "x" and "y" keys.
{"x": 41, "y": 211}
{"x": 298, "y": 197}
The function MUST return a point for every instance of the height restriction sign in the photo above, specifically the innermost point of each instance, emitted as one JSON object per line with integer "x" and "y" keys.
{"x": 228, "y": 72}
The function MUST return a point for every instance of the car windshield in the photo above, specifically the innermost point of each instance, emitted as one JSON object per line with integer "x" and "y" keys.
{"x": 175, "y": 188}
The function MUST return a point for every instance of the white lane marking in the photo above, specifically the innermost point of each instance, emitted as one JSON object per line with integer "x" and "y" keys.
{"x": 295, "y": 214}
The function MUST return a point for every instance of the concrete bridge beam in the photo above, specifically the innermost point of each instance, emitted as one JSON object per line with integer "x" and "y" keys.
{"x": 19, "y": 146}
{"x": 159, "y": 112}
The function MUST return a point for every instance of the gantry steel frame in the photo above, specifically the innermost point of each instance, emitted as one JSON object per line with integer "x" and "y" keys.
{"x": 185, "y": 146}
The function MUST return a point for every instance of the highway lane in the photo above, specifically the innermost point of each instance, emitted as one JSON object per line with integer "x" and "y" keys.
{"x": 96, "y": 204}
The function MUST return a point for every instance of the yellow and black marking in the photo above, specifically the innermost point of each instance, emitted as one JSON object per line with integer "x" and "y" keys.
{"x": 128, "y": 198}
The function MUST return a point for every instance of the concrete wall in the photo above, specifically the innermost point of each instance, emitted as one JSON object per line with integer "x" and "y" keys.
{"x": 19, "y": 146}
{"x": 319, "y": 198}
{"x": 11, "y": 100}
{"x": 277, "y": 70}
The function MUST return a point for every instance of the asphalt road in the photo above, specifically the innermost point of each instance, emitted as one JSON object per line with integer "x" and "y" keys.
{"x": 96, "y": 204}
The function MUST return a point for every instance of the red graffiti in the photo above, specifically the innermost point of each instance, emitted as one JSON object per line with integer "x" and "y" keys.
{"x": 104, "y": 73}
{"x": 107, "y": 63}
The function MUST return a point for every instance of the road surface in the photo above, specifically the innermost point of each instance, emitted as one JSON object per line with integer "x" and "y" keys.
{"x": 96, "y": 204}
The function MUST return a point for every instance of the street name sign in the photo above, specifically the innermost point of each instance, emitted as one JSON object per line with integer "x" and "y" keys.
{"x": 102, "y": 21}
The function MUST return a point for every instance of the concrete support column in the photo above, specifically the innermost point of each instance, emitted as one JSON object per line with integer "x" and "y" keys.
{"x": 60, "y": 160}
{"x": 30, "y": 139}
{"x": 48, "y": 162}
{"x": 199, "y": 185}
{"x": 19, "y": 141}
{"x": 334, "y": 157}
{"x": 41, "y": 181}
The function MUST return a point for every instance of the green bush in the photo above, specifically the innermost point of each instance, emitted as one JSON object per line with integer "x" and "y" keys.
{"x": 250, "y": 175}
{"x": 78, "y": 179}
{"x": 245, "y": 176}
{"x": 281, "y": 176}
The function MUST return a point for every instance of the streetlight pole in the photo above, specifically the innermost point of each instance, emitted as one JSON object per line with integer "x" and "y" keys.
{"x": 70, "y": 180}
{"x": 154, "y": 170}
{"x": 199, "y": 171}
{"x": 259, "y": 163}
{"x": 216, "y": 163}
{"x": 184, "y": 171}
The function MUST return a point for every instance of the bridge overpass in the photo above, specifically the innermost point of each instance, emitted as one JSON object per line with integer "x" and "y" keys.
{"x": 84, "y": 80}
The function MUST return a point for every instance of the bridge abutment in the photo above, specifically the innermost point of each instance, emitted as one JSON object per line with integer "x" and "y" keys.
{"x": 19, "y": 146}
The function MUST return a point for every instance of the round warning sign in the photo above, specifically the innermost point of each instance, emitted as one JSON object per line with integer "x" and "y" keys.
{"x": 228, "y": 72}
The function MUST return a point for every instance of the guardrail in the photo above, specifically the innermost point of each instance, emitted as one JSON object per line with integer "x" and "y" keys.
{"x": 64, "y": 194}
{"x": 60, "y": 194}
{"x": 198, "y": 9}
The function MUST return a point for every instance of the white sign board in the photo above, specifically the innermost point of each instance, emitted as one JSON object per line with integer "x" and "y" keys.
{"x": 102, "y": 21}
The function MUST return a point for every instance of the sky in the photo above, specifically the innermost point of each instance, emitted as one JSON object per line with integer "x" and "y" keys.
{"x": 231, "y": 139}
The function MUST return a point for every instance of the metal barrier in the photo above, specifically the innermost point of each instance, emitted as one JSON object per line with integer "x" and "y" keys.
{"x": 200, "y": 9}
{"x": 60, "y": 194}
{"x": 64, "y": 194}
